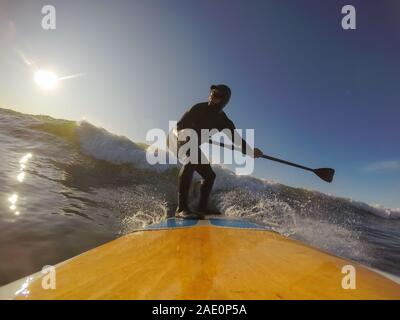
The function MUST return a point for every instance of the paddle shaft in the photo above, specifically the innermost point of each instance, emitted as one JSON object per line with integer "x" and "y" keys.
{"x": 232, "y": 147}
{"x": 287, "y": 162}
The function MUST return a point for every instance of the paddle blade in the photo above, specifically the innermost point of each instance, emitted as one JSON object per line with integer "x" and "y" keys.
{"x": 325, "y": 174}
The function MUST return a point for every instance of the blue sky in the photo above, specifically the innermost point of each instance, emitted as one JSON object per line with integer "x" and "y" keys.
{"x": 314, "y": 93}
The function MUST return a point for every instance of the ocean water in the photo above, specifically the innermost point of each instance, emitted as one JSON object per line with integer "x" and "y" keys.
{"x": 66, "y": 187}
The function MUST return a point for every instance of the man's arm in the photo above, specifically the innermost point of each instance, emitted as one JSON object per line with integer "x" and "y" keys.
{"x": 238, "y": 141}
{"x": 188, "y": 119}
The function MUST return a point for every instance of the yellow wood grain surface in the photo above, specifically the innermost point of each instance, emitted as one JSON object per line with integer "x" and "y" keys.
{"x": 207, "y": 262}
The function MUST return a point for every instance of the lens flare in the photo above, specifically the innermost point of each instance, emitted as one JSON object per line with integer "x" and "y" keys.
{"x": 46, "y": 80}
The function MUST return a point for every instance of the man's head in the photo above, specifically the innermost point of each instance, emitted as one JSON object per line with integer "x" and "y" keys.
{"x": 219, "y": 96}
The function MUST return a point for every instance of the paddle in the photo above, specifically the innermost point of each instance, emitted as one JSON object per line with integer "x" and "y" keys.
{"x": 325, "y": 174}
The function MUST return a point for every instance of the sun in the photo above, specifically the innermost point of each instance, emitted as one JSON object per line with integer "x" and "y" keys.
{"x": 46, "y": 80}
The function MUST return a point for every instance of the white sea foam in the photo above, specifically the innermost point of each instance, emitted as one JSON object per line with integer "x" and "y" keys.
{"x": 378, "y": 209}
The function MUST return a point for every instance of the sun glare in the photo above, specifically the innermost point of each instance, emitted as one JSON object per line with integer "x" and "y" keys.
{"x": 46, "y": 80}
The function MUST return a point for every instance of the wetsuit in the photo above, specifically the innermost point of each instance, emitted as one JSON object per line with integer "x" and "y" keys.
{"x": 200, "y": 116}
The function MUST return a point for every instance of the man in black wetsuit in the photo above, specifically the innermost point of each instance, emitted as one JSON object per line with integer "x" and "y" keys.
{"x": 205, "y": 115}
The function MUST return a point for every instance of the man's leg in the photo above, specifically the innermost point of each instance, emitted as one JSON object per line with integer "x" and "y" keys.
{"x": 207, "y": 173}
{"x": 184, "y": 181}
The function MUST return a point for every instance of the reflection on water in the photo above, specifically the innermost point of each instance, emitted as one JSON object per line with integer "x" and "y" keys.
{"x": 21, "y": 176}
{"x": 33, "y": 169}
{"x": 22, "y": 166}
{"x": 13, "y": 199}
{"x": 24, "y": 159}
